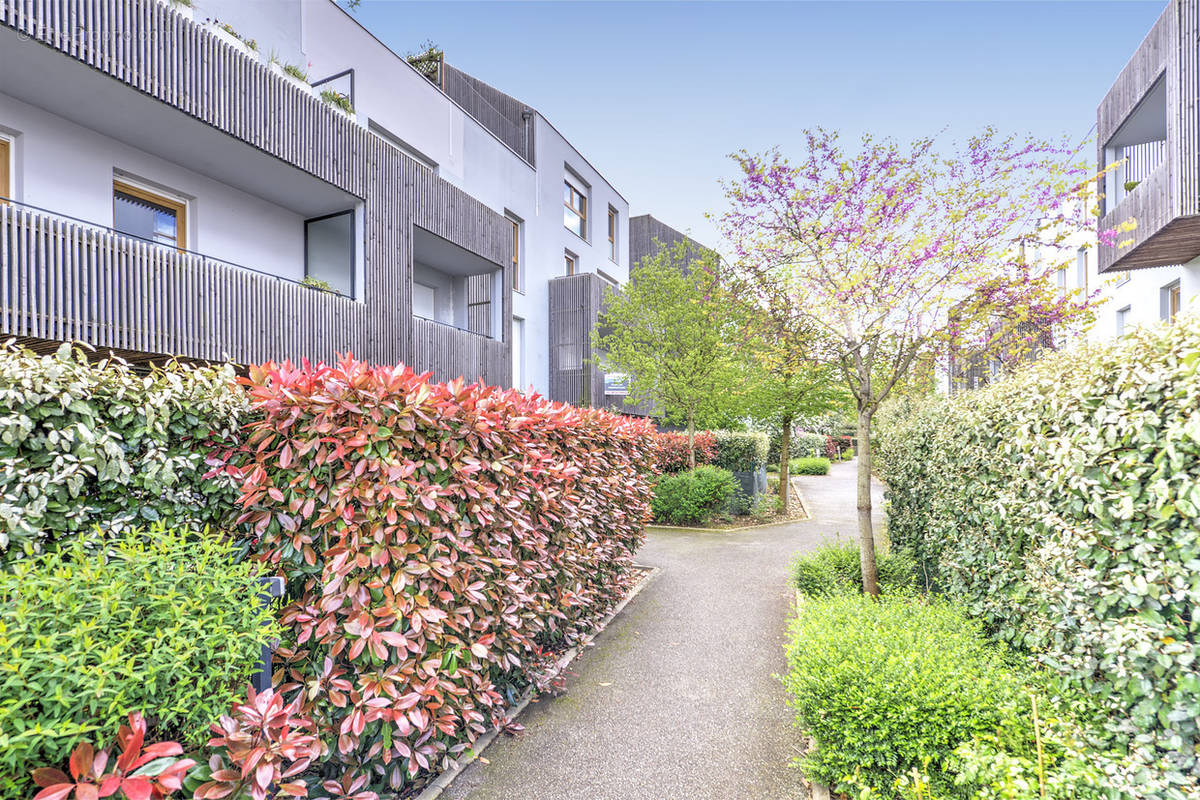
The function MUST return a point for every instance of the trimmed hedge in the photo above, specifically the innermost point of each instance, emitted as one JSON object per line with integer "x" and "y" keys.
{"x": 441, "y": 543}
{"x": 673, "y": 450}
{"x": 1062, "y": 507}
{"x": 740, "y": 451}
{"x": 809, "y": 466}
{"x": 834, "y": 568}
{"x": 166, "y": 625}
{"x": 807, "y": 445}
{"x": 691, "y": 497}
{"x": 85, "y": 445}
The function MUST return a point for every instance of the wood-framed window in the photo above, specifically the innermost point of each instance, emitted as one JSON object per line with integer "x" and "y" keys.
{"x": 574, "y": 210}
{"x": 1172, "y": 301}
{"x": 516, "y": 254}
{"x": 571, "y": 263}
{"x": 149, "y": 215}
{"x": 5, "y": 168}
{"x": 612, "y": 234}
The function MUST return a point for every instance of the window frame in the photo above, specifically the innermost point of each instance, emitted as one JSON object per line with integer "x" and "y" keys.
{"x": 353, "y": 247}
{"x": 517, "y": 285}
{"x": 176, "y": 205}
{"x": 571, "y": 264}
{"x": 613, "y": 224}
{"x": 1172, "y": 300}
{"x": 573, "y": 193}
{"x": 1121, "y": 320}
{"x": 6, "y": 170}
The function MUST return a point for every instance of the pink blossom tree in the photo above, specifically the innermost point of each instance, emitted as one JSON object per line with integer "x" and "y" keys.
{"x": 898, "y": 252}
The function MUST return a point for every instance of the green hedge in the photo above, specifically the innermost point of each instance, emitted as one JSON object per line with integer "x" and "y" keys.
{"x": 809, "y": 466}
{"x": 1061, "y": 506}
{"x": 834, "y": 568}
{"x": 740, "y": 451}
{"x": 693, "y": 496}
{"x": 166, "y": 624}
{"x": 83, "y": 445}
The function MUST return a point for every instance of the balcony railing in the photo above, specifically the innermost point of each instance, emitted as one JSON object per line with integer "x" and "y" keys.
{"x": 64, "y": 279}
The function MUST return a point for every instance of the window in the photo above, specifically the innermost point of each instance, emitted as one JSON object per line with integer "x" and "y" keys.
{"x": 148, "y": 215}
{"x": 575, "y": 209}
{"x": 612, "y": 234}
{"x": 571, "y": 263}
{"x": 1122, "y": 320}
{"x": 5, "y": 170}
{"x": 516, "y": 254}
{"x": 1171, "y": 301}
{"x": 1081, "y": 259}
{"x": 1062, "y": 278}
{"x": 329, "y": 251}
{"x": 424, "y": 301}
{"x": 518, "y": 353}
{"x": 1123, "y": 278}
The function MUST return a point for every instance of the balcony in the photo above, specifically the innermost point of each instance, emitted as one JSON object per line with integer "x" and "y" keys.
{"x": 1146, "y": 129}
{"x": 63, "y": 279}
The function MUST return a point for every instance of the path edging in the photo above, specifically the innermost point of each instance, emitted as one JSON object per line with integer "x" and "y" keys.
{"x": 447, "y": 777}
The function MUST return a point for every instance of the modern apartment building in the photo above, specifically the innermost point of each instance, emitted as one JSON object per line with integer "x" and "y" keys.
{"x": 1148, "y": 129}
{"x": 174, "y": 176}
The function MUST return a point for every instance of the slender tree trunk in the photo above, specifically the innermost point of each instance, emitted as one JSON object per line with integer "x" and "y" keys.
{"x": 785, "y": 455}
{"x": 691, "y": 440}
{"x": 866, "y": 534}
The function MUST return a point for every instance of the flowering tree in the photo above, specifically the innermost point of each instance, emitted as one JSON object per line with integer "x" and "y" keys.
{"x": 895, "y": 252}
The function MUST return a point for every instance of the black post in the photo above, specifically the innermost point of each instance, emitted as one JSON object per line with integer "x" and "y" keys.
{"x": 269, "y": 589}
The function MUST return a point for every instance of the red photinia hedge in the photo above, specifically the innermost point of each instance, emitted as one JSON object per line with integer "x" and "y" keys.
{"x": 673, "y": 450}
{"x": 440, "y": 543}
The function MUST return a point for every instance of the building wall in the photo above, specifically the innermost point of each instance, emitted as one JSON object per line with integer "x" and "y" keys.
{"x": 68, "y": 169}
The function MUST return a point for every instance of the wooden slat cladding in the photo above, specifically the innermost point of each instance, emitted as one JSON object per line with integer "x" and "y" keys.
{"x": 457, "y": 353}
{"x": 575, "y": 303}
{"x": 149, "y": 46}
{"x": 500, "y": 113}
{"x": 647, "y": 234}
{"x": 61, "y": 280}
{"x": 1166, "y": 205}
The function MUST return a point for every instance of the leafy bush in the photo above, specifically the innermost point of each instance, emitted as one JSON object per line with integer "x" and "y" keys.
{"x": 441, "y": 543}
{"x": 85, "y": 444}
{"x": 740, "y": 451}
{"x": 807, "y": 445}
{"x": 765, "y": 506}
{"x": 834, "y": 568}
{"x": 809, "y": 466}
{"x": 884, "y": 686}
{"x": 1061, "y": 507}
{"x": 167, "y": 626}
{"x": 693, "y": 496}
{"x": 673, "y": 450}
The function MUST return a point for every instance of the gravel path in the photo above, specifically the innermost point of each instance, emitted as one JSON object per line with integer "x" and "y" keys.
{"x": 677, "y": 699}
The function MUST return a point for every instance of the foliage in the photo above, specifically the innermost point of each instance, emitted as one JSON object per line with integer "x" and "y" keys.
{"x": 833, "y": 568}
{"x": 765, "y": 506}
{"x": 297, "y": 73}
{"x": 673, "y": 450}
{"x": 809, "y": 466}
{"x": 85, "y": 445}
{"x": 316, "y": 283}
{"x": 140, "y": 772}
{"x": 886, "y": 685}
{"x": 668, "y": 330}
{"x": 166, "y": 625}
{"x": 893, "y": 252}
{"x": 257, "y": 746}
{"x": 740, "y": 451}
{"x": 802, "y": 445}
{"x": 693, "y": 496}
{"x": 440, "y": 541}
{"x": 1060, "y": 507}
{"x": 337, "y": 100}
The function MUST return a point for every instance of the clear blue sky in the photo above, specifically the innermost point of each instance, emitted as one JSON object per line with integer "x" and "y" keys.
{"x": 657, "y": 94}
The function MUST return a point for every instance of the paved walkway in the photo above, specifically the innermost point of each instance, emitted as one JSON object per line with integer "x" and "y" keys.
{"x": 677, "y": 699}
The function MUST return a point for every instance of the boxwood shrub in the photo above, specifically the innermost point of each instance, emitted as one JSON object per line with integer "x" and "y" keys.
{"x": 166, "y": 625}
{"x": 834, "y": 568}
{"x": 809, "y": 466}
{"x": 740, "y": 451}
{"x": 887, "y": 685}
{"x": 1061, "y": 507}
{"x": 693, "y": 496}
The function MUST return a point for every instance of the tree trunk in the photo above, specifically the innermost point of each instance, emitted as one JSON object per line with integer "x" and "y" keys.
{"x": 691, "y": 440}
{"x": 785, "y": 455}
{"x": 866, "y": 534}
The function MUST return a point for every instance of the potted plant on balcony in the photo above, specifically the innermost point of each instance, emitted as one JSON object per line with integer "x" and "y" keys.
{"x": 318, "y": 284}
{"x": 226, "y": 33}
{"x": 1131, "y": 185}
{"x": 339, "y": 102}
{"x": 291, "y": 73}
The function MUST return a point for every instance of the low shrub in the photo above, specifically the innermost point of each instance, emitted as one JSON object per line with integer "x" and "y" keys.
{"x": 441, "y": 543}
{"x": 693, "y": 496}
{"x": 740, "y": 451}
{"x": 888, "y": 685}
{"x": 167, "y": 626}
{"x": 1060, "y": 506}
{"x": 834, "y": 568}
{"x": 809, "y": 466}
{"x": 673, "y": 450}
{"x": 807, "y": 445}
{"x": 765, "y": 506}
{"x": 85, "y": 445}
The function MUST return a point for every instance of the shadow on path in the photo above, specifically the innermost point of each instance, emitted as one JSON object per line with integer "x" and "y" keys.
{"x": 677, "y": 699}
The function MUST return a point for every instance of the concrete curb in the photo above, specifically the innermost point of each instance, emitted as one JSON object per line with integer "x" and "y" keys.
{"x": 443, "y": 781}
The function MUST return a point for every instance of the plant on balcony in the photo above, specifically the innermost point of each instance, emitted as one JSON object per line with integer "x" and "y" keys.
{"x": 338, "y": 100}
{"x": 295, "y": 72}
{"x": 427, "y": 60}
{"x": 318, "y": 284}
{"x": 1131, "y": 185}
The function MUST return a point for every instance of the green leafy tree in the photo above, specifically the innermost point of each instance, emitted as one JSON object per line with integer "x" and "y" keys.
{"x": 668, "y": 330}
